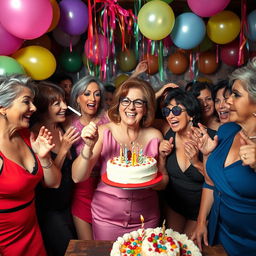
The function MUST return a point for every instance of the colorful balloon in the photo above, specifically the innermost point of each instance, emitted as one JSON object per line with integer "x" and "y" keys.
{"x": 207, "y": 62}
{"x": 251, "y": 22}
{"x": 100, "y": 49}
{"x": 177, "y": 63}
{"x": 229, "y": 53}
{"x": 126, "y": 60}
{"x": 167, "y": 1}
{"x": 55, "y": 16}
{"x": 156, "y": 20}
{"x": 206, "y": 8}
{"x": 43, "y": 41}
{"x": 8, "y": 42}
{"x": 27, "y": 19}
{"x": 73, "y": 17}
{"x": 38, "y": 62}
{"x": 189, "y": 31}
{"x": 205, "y": 45}
{"x": 64, "y": 39}
{"x": 152, "y": 61}
{"x": 10, "y": 66}
{"x": 120, "y": 79}
{"x": 71, "y": 61}
{"x": 223, "y": 27}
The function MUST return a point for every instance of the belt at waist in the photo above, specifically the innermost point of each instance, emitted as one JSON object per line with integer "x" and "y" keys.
{"x": 15, "y": 209}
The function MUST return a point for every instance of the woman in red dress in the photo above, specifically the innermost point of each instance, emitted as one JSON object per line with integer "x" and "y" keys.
{"x": 24, "y": 162}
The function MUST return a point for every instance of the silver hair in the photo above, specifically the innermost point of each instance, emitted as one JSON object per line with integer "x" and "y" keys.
{"x": 247, "y": 75}
{"x": 81, "y": 86}
{"x": 11, "y": 86}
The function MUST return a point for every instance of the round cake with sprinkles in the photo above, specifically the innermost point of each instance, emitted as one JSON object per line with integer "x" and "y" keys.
{"x": 154, "y": 242}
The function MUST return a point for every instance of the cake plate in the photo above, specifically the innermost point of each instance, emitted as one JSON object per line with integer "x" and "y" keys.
{"x": 143, "y": 185}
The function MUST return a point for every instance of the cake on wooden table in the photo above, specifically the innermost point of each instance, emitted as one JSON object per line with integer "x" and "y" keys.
{"x": 153, "y": 242}
{"x": 131, "y": 167}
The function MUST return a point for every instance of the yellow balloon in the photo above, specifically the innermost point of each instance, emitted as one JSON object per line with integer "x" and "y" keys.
{"x": 120, "y": 79}
{"x": 55, "y": 15}
{"x": 223, "y": 27}
{"x": 38, "y": 62}
{"x": 156, "y": 20}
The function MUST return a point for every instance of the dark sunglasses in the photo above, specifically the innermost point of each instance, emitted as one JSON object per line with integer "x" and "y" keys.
{"x": 176, "y": 110}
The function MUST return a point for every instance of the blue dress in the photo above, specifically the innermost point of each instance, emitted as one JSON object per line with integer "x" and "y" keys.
{"x": 232, "y": 220}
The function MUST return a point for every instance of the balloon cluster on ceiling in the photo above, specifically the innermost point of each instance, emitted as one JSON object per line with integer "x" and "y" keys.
{"x": 103, "y": 37}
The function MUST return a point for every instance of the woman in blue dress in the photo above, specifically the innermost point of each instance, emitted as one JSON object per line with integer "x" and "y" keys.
{"x": 229, "y": 196}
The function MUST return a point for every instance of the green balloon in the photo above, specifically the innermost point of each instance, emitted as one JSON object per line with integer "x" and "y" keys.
{"x": 10, "y": 66}
{"x": 71, "y": 61}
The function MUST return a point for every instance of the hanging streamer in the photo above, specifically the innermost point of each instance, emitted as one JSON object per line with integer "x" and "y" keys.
{"x": 242, "y": 38}
{"x": 160, "y": 60}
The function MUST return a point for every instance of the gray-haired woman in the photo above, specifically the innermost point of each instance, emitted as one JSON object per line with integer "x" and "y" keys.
{"x": 24, "y": 162}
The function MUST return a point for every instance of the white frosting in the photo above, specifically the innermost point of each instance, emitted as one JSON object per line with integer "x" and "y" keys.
{"x": 126, "y": 173}
{"x": 172, "y": 242}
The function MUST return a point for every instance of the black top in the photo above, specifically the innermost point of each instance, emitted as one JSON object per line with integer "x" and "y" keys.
{"x": 183, "y": 192}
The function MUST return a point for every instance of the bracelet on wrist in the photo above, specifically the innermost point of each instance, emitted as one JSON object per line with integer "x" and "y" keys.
{"x": 49, "y": 165}
{"x": 85, "y": 157}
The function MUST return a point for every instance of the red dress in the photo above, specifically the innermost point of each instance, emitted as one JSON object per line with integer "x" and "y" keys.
{"x": 19, "y": 230}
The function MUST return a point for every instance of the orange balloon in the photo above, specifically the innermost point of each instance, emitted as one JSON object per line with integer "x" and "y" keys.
{"x": 152, "y": 61}
{"x": 207, "y": 62}
{"x": 178, "y": 63}
{"x": 55, "y": 15}
{"x": 43, "y": 41}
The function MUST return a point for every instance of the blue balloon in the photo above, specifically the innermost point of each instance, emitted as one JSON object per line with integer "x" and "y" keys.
{"x": 189, "y": 31}
{"x": 251, "y": 21}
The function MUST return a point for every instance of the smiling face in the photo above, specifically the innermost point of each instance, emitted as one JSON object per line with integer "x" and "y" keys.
{"x": 21, "y": 110}
{"x": 89, "y": 101}
{"x": 178, "y": 123}
{"x": 206, "y": 102}
{"x": 241, "y": 106}
{"x": 57, "y": 111}
{"x": 132, "y": 114}
{"x": 222, "y": 108}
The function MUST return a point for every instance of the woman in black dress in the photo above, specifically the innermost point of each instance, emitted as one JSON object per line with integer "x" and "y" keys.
{"x": 184, "y": 162}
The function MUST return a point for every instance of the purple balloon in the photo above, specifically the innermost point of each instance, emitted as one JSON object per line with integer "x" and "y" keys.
{"x": 73, "y": 17}
{"x": 8, "y": 42}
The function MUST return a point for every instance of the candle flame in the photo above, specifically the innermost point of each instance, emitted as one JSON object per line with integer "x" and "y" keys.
{"x": 141, "y": 218}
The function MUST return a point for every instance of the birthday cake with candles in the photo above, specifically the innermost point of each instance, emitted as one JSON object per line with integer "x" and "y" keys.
{"x": 153, "y": 242}
{"x": 131, "y": 167}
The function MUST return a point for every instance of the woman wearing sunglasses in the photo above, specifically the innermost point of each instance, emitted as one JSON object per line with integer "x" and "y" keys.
{"x": 117, "y": 211}
{"x": 184, "y": 162}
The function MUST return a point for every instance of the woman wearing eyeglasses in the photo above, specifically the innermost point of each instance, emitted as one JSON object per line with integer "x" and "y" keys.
{"x": 117, "y": 211}
{"x": 184, "y": 162}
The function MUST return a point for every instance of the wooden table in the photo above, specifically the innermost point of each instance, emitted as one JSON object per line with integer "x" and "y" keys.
{"x": 103, "y": 248}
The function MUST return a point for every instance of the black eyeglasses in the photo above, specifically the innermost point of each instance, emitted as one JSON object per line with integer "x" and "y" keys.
{"x": 176, "y": 110}
{"x": 138, "y": 103}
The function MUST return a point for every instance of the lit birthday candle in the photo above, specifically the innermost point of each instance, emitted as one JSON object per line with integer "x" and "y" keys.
{"x": 163, "y": 229}
{"x": 142, "y": 227}
{"x": 125, "y": 154}
{"x": 121, "y": 154}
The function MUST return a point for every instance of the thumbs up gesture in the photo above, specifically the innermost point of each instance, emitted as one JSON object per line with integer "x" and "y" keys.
{"x": 247, "y": 150}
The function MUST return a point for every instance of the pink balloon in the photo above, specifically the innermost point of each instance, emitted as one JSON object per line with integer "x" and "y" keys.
{"x": 27, "y": 19}
{"x": 100, "y": 49}
{"x": 8, "y": 43}
{"x": 206, "y": 8}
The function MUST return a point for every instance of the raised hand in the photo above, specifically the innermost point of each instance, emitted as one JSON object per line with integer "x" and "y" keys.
{"x": 68, "y": 138}
{"x": 42, "y": 145}
{"x": 191, "y": 151}
{"x": 165, "y": 147}
{"x": 247, "y": 151}
{"x": 90, "y": 134}
{"x": 204, "y": 142}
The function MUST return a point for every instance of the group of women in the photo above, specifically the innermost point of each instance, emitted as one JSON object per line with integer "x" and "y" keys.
{"x": 208, "y": 178}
